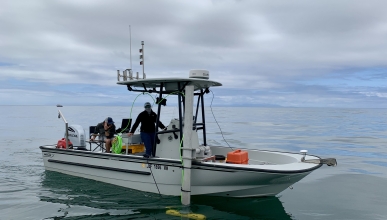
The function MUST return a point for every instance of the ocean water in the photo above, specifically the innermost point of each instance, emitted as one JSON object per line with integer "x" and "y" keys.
{"x": 355, "y": 189}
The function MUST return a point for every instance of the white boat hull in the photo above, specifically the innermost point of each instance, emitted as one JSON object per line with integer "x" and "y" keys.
{"x": 158, "y": 175}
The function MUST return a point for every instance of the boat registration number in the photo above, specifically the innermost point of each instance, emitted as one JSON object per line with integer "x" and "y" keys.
{"x": 157, "y": 166}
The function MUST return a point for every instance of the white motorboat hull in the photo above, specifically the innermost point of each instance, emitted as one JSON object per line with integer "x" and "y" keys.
{"x": 159, "y": 175}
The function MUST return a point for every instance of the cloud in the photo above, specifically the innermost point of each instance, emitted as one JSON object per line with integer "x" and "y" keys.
{"x": 300, "y": 53}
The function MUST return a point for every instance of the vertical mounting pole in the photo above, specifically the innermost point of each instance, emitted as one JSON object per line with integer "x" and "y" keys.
{"x": 187, "y": 146}
{"x": 203, "y": 119}
{"x": 180, "y": 110}
{"x": 143, "y": 57}
{"x": 67, "y": 135}
{"x": 197, "y": 108}
{"x": 157, "y": 119}
{"x": 60, "y": 115}
{"x": 125, "y": 74}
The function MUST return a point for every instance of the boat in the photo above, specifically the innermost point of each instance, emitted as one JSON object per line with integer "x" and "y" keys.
{"x": 184, "y": 163}
{"x": 59, "y": 105}
{"x": 258, "y": 173}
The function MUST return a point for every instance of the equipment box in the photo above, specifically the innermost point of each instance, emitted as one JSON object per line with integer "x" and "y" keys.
{"x": 238, "y": 157}
{"x": 133, "y": 148}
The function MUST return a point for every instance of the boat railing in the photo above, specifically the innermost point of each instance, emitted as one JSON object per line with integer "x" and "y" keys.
{"x": 60, "y": 115}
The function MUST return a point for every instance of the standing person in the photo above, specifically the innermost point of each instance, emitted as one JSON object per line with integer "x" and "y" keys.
{"x": 106, "y": 131}
{"x": 147, "y": 118}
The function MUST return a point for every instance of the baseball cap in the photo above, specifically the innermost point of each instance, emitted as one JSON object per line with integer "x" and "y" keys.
{"x": 147, "y": 105}
{"x": 109, "y": 120}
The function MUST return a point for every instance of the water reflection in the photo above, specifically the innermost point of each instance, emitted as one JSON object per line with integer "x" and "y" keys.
{"x": 83, "y": 198}
{"x": 249, "y": 208}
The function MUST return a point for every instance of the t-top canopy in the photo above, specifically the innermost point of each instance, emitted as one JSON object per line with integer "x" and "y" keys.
{"x": 170, "y": 84}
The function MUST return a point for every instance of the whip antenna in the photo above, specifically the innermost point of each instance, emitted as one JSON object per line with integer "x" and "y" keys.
{"x": 130, "y": 40}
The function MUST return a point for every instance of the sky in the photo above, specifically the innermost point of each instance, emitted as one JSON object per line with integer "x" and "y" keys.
{"x": 297, "y": 53}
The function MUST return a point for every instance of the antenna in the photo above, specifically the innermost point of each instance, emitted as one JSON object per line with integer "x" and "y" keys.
{"x": 142, "y": 58}
{"x": 130, "y": 37}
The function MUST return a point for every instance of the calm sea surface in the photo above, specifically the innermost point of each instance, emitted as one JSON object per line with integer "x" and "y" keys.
{"x": 355, "y": 189}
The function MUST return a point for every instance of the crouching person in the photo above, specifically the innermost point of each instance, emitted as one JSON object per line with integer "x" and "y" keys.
{"x": 106, "y": 131}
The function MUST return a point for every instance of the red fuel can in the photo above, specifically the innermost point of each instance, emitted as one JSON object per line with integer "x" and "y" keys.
{"x": 238, "y": 157}
{"x": 62, "y": 144}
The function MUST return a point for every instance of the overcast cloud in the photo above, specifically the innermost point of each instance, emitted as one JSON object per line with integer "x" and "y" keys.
{"x": 266, "y": 53}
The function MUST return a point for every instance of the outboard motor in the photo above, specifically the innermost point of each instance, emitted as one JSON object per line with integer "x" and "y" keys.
{"x": 77, "y": 137}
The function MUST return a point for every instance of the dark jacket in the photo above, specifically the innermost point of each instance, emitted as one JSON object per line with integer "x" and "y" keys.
{"x": 148, "y": 122}
{"x": 99, "y": 129}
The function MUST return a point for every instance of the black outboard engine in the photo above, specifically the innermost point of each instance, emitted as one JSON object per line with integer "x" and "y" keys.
{"x": 77, "y": 137}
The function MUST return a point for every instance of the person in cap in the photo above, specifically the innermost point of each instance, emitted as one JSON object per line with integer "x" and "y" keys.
{"x": 148, "y": 129}
{"x": 106, "y": 131}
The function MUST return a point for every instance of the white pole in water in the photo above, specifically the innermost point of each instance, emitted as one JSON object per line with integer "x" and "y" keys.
{"x": 187, "y": 146}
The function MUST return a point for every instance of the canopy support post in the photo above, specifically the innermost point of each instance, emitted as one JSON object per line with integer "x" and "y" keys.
{"x": 187, "y": 146}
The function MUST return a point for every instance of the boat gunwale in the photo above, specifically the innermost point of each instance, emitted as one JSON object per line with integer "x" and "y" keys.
{"x": 195, "y": 164}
